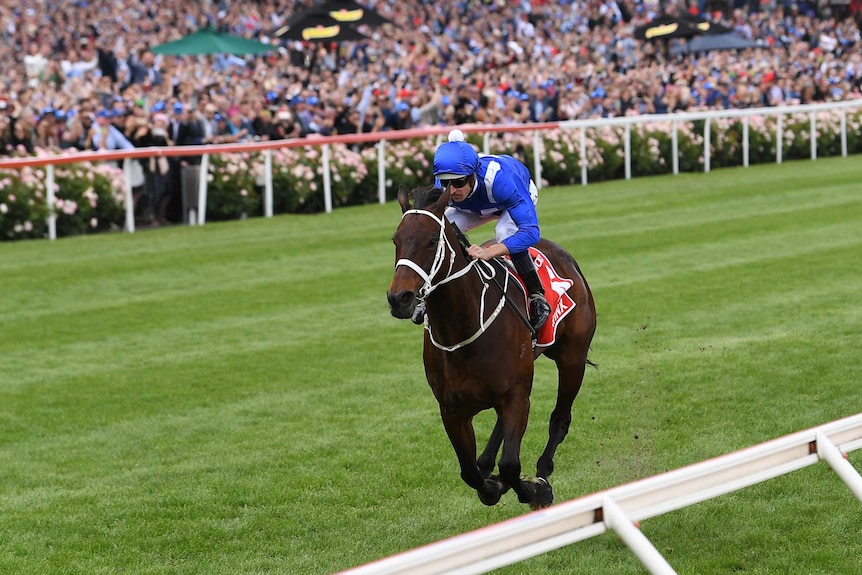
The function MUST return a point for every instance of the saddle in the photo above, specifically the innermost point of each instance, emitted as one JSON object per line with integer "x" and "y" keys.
{"x": 556, "y": 292}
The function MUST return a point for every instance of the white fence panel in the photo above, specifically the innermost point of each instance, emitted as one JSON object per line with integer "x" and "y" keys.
{"x": 619, "y": 508}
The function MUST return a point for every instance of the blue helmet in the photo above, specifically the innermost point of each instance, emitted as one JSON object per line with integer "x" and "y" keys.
{"x": 454, "y": 160}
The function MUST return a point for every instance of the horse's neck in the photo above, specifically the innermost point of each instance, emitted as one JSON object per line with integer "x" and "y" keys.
{"x": 460, "y": 293}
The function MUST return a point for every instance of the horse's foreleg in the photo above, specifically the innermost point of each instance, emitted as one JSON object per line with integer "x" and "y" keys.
{"x": 535, "y": 491}
{"x": 488, "y": 459}
{"x": 463, "y": 439}
{"x": 571, "y": 375}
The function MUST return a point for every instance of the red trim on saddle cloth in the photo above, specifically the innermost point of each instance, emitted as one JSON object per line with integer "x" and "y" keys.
{"x": 556, "y": 292}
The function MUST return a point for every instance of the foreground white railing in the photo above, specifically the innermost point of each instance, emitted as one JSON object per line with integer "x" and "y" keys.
{"x": 618, "y": 509}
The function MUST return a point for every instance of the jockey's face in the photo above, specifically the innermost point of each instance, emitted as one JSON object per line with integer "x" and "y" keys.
{"x": 459, "y": 189}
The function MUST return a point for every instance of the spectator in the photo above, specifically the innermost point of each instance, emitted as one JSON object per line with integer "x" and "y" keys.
{"x": 225, "y": 131}
{"x": 285, "y": 125}
{"x": 262, "y": 124}
{"x": 78, "y": 134}
{"x": 556, "y": 54}
{"x": 106, "y": 136}
{"x": 157, "y": 179}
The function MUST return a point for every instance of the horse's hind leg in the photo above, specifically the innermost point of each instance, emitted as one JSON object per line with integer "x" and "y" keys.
{"x": 463, "y": 439}
{"x": 571, "y": 375}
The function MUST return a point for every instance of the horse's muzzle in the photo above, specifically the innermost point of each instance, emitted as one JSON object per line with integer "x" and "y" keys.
{"x": 401, "y": 304}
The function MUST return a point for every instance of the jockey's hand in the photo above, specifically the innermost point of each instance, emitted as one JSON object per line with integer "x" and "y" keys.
{"x": 477, "y": 252}
{"x": 491, "y": 252}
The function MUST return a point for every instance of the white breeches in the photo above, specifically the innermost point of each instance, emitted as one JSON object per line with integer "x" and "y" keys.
{"x": 505, "y": 227}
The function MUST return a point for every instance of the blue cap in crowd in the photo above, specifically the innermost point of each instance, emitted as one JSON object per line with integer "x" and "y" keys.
{"x": 104, "y": 113}
{"x": 445, "y": 100}
{"x": 312, "y": 100}
{"x": 402, "y": 106}
{"x": 159, "y": 106}
{"x": 178, "y": 108}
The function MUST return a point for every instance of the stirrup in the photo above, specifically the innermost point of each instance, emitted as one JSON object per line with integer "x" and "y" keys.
{"x": 540, "y": 311}
{"x": 419, "y": 313}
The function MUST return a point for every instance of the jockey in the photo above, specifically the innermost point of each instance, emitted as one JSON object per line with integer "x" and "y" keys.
{"x": 485, "y": 188}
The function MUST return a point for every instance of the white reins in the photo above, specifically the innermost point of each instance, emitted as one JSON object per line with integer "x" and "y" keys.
{"x": 485, "y": 270}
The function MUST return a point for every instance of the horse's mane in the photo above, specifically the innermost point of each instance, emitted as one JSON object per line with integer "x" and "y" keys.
{"x": 424, "y": 197}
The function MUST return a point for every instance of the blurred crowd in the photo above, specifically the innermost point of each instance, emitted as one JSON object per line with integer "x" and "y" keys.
{"x": 82, "y": 74}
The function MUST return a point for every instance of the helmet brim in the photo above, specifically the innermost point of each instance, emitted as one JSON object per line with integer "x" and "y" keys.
{"x": 449, "y": 176}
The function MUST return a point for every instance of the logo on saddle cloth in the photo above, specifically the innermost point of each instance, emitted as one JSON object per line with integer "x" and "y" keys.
{"x": 556, "y": 292}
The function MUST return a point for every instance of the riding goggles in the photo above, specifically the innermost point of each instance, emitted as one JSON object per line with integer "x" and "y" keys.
{"x": 459, "y": 183}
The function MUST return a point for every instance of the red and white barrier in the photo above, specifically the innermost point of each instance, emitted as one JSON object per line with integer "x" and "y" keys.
{"x": 486, "y": 129}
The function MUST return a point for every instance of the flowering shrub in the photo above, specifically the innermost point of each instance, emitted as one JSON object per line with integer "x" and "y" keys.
{"x": 297, "y": 178}
{"x": 22, "y": 209}
{"x": 89, "y": 197}
{"x": 409, "y": 163}
{"x": 231, "y": 192}
{"x": 294, "y": 184}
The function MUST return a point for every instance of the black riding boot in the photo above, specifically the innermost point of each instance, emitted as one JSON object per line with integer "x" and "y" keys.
{"x": 539, "y": 308}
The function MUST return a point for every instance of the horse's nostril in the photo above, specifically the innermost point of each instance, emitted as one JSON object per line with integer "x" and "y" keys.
{"x": 400, "y": 303}
{"x": 406, "y": 298}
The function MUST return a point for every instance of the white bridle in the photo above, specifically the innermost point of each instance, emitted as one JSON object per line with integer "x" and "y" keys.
{"x": 485, "y": 270}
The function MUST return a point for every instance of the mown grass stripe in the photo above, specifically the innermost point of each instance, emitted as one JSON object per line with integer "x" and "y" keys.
{"x": 237, "y": 399}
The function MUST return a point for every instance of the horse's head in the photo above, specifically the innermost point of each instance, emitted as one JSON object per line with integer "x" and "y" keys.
{"x": 423, "y": 253}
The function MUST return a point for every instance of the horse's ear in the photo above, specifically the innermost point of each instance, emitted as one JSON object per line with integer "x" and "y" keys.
{"x": 403, "y": 198}
{"x": 442, "y": 202}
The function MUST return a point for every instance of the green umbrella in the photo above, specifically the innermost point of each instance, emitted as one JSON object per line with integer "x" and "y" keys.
{"x": 209, "y": 41}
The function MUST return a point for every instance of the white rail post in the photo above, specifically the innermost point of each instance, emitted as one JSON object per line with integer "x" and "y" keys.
{"x": 130, "y": 200}
{"x": 779, "y": 138}
{"x": 616, "y": 520}
{"x": 844, "y": 132}
{"x": 537, "y": 158}
{"x": 202, "y": 189}
{"x": 627, "y": 146}
{"x": 583, "y": 157}
{"x": 707, "y": 147}
{"x": 674, "y": 146}
{"x": 327, "y": 180}
{"x": 813, "y": 131}
{"x": 52, "y": 209}
{"x": 745, "y": 142}
{"x": 267, "y": 183}
{"x": 381, "y": 171}
{"x": 828, "y": 451}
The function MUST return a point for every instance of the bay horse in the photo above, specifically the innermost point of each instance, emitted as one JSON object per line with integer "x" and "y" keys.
{"x": 478, "y": 350}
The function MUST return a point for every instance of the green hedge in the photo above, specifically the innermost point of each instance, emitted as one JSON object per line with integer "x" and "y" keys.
{"x": 89, "y": 197}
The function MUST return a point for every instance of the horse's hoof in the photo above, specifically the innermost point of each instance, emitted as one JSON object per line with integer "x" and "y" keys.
{"x": 544, "y": 496}
{"x": 504, "y": 487}
{"x": 490, "y": 496}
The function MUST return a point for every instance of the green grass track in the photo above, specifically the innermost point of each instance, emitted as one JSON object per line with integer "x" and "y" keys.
{"x": 236, "y": 399}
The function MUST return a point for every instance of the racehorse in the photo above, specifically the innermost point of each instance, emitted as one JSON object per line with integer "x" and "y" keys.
{"x": 478, "y": 348}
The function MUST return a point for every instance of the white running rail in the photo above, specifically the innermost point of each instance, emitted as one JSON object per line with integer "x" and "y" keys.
{"x": 620, "y": 508}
